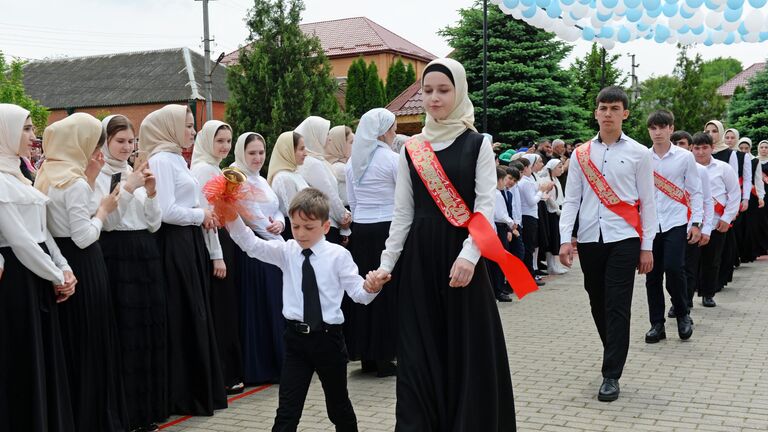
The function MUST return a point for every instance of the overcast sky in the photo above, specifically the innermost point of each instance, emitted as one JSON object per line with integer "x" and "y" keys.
{"x": 36, "y": 29}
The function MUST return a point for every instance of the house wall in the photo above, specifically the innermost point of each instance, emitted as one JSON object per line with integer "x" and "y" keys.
{"x": 340, "y": 65}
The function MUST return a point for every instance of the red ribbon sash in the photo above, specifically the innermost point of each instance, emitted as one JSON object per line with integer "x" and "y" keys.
{"x": 459, "y": 215}
{"x": 719, "y": 208}
{"x": 605, "y": 193}
{"x": 672, "y": 191}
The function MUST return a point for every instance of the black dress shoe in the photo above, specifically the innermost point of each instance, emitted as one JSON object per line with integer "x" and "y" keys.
{"x": 368, "y": 366}
{"x": 540, "y": 283}
{"x": 502, "y": 297}
{"x": 385, "y": 369}
{"x": 671, "y": 313}
{"x": 609, "y": 390}
{"x": 708, "y": 302}
{"x": 540, "y": 272}
{"x": 656, "y": 333}
{"x": 684, "y": 328}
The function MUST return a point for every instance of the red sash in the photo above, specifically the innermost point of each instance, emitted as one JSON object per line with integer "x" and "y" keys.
{"x": 719, "y": 208}
{"x": 458, "y": 214}
{"x": 605, "y": 193}
{"x": 672, "y": 191}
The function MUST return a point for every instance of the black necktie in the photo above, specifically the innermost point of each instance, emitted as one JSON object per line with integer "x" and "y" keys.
{"x": 313, "y": 313}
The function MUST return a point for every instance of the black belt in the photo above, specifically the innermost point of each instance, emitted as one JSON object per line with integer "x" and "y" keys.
{"x": 303, "y": 328}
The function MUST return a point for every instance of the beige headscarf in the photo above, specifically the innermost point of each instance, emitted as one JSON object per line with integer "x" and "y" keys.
{"x": 720, "y": 145}
{"x": 334, "y": 150}
{"x": 163, "y": 130}
{"x": 745, "y": 140}
{"x": 735, "y": 132}
{"x": 68, "y": 145}
{"x": 314, "y": 129}
{"x": 283, "y": 156}
{"x": 762, "y": 158}
{"x": 463, "y": 115}
{"x": 203, "y": 151}
{"x": 240, "y": 152}
{"x": 12, "y": 118}
{"x": 112, "y": 165}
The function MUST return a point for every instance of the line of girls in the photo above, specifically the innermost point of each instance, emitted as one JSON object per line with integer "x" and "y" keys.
{"x": 122, "y": 307}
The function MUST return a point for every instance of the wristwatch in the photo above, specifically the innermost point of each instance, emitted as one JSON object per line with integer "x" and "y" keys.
{"x": 696, "y": 224}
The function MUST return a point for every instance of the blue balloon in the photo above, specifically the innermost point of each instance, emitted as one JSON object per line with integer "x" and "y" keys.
{"x": 606, "y": 32}
{"x": 528, "y": 3}
{"x": 698, "y": 30}
{"x": 669, "y": 9}
{"x": 742, "y": 29}
{"x": 732, "y": 15}
{"x": 643, "y": 27}
{"x": 735, "y": 4}
{"x": 588, "y": 33}
{"x": 684, "y": 29}
{"x": 661, "y": 34}
{"x": 604, "y": 18}
{"x": 623, "y": 35}
{"x": 567, "y": 2}
{"x": 610, "y": 3}
{"x": 729, "y": 39}
{"x": 653, "y": 13}
{"x": 542, "y": 3}
{"x": 711, "y": 4}
{"x": 685, "y": 13}
{"x": 648, "y": 36}
{"x": 585, "y": 2}
{"x": 757, "y": 3}
{"x": 530, "y": 11}
{"x": 554, "y": 11}
{"x": 708, "y": 41}
{"x": 651, "y": 4}
{"x": 693, "y": 4}
{"x": 763, "y": 36}
{"x": 632, "y": 4}
{"x": 634, "y": 15}
{"x": 512, "y": 4}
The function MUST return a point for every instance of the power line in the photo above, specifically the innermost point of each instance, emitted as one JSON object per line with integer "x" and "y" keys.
{"x": 42, "y": 29}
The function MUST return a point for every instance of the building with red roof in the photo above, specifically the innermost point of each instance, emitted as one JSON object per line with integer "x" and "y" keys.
{"x": 740, "y": 80}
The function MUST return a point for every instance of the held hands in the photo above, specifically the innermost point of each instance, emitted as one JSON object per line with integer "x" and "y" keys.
{"x": 346, "y": 221}
{"x": 65, "y": 291}
{"x": 375, "y": 280}
{"x": 694, "y": 235}
{"x": 722, "y": 226}
{"x": 646, "y": 262}
{"x": 744, "y": 206}
{"x": 219, "y": 268}
{"x": 461, "y": 273}
{"x": 704, "y": 240}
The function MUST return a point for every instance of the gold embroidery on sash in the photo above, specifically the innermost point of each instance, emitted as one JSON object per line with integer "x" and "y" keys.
{"x": 601, "y": 186}
{"x": 669, "y": 188}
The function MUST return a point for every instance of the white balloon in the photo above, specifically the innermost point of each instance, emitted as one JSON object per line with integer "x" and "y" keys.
{"x": 713, "y": 19}
{"x": 754, "y": 21}
{"x": 595, "y": 21}
{"x": 718, "y": 37}
{"x": 751, "y": 37}
{"x": 620, "y": 8}
{"x": 676, "y": 23}
{"x": 686, "y": 38}
{"x": 730, "y": 26}
{"x": 649, "y": 21}
{"x": 580, "y": 10}
{"x": 697, "y": 19}
{"x": 608, "y": 44}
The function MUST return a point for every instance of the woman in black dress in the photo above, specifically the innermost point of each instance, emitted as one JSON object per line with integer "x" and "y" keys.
{"x": 453, "y": 371}
{"x": 761, "y": 216}
{"x": 33, "y": 277}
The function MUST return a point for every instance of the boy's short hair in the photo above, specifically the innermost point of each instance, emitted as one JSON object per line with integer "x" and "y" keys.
{"x": 660, "y": 118}
{"x": 701, "y": 138}
{"x": 516, "y": 165}
{"x": 500, "y": 173}
{"x": 310, "y": 203}
{"x": 524, "y": 162}
{"x": 612, "y": 94}
{"x": 680, "y": 135}
{"x": 514, "y": 172}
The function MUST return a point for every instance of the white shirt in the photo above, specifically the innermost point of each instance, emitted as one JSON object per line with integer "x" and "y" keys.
{"x": 339, "y": 171}
{"x": 485, "y": 186}
{"x": 202, "y": 173}
{"x": 373, "y": 199}
{"x": 500, "y": 214}
{"x": 530, "y": 195}
{"x": 177, "y": 190}
{"x": 135, "y": 211}
{"x": 286, "y": 184}
{"x": 317, "y": 175}
{"x": 555, "y": 197}
{"x": 517, "y": 206}
{"x": 724, "y": 185}
{"x": 626, "y": 166}
{"x": 679, "y": 167}
{"x": 70, "y": 211}
{"x": 733, "y": 161}
{"x": 708, "y": 211}
{"x": 264, "y": 209}
{"x": 757, "y": 178}
{"x": 335, "y": 271}
{"x": 23, "y": 227}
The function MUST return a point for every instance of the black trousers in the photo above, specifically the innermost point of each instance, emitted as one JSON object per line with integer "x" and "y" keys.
{"x": 323, "y": 352}
{"x": 692, "y": 269}
{"x": 609, "y": 275}
{"x": 530, "y": 240}
{"x": 711, "y": 259}
{"x": 494, "y": 271}
{"x": 668, "y": 259}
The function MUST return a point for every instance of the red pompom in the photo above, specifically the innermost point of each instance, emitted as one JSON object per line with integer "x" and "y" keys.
{"x": 230, "y": 199}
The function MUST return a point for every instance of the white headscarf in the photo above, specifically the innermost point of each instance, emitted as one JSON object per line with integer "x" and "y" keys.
{"x": 550, "y": 166}
{"x": 240, "y": 152}
{"x": 112, "y": 165}
{"x": 720, "y": 145}
{"x": 373, "y": 124}
{"x": 532, "y": 158}
{"x": 314, "y": 129}
{"x": 203, "y": 152}
{"x": 12, "y": 118}
{"x": 738, "y": 136}
{"x": 463, "y": 115}
{"x": 762, "y": 158}
{"x": 335, "y": 149}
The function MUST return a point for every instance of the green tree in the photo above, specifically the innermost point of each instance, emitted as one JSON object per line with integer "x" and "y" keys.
{"x": 12, "y": 91}
{"x": 529, "y": 95}
{"x": 410, "y": 73}
{"x": 716, "y": 72}
{"x": 694, "y": 103}
{"x": 655, "y": 93}
{"x": 397, "y": 79}
{"x": 587, "y": 74}
{"x": 748, "y": 109}
{"x": 355, "y": 94}
{"x": 282, "y": 75}
{"x": 374, "y": 89}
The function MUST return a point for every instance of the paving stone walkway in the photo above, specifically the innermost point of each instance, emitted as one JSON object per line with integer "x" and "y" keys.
{"x": 716, "y": 381}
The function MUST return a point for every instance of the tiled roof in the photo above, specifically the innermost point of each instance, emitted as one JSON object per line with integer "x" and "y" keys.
{"x": 169, "y": 75}
{"x": 409, "y": 102}
{"x": 740, "y": 80}
{"x": 355, "y": 36}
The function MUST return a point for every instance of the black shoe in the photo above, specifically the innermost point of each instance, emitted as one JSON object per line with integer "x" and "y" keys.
{"x": 540, "y": 272}
{"x": 671, "y": 313}
{"x": 367, "y": 366}
{"x": 540, "y": 283}
{"x": 235, "y": 389}
{"x": 503, "y": 297}
{"x": 609, "y": 390}
{"x": 656, "y": 333}
{"x": 507, "y": 289}
{"x": 684, "y": 329}
{"x": 543, "y": 265}
{"x": 708, "y": 302}
{"x": 385, "y": 369}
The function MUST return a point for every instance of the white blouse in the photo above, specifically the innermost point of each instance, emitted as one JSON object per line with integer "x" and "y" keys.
{"x": 317, "y": 175}
{"x": 555, "y": 196}
{"x": 202, "y": 173}
{"x": 264, "y": 210}
{"x": 373, "y": 199}
{"x": 23, "y": 227}
{"x": 177, "y": 190}
{"x": 286, "y": 184}
{"x": 339, "y": 171}
{"x": 485, "y": 186}
{"x": 135, "y": 211}
{"x": 70, "y": 213}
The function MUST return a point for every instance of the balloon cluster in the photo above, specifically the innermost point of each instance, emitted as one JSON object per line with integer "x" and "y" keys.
{"x": 665, "y": 21}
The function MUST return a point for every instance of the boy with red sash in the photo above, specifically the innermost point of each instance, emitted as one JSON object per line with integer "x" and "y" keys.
{"x": 610, "y": 188}
{"x": 678, "y": 201}
{"x": 724, "y": 186}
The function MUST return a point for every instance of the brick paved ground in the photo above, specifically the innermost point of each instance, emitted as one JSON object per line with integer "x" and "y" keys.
{"x": 717, "y": 381}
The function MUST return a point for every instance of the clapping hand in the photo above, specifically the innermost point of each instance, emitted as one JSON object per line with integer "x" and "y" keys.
{"x": 375, "y": 280}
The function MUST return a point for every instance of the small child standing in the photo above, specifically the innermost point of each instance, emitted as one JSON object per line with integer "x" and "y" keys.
{"x": 314, "y": 341}
{"x": 504, "y": 227}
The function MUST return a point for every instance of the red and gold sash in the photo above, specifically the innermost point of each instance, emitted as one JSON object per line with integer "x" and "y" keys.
{"x": 605, "y": 193}
{"x": 719, "y": 208}
{"x": 458, "y": 214}
{"x": 672, "y": 191}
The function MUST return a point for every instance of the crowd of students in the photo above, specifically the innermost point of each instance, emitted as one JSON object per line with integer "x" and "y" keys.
{"x": 126, "y": 299}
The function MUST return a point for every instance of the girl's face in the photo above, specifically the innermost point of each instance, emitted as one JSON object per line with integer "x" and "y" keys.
{"x": 390, "y": 134}
{"x": 538, "y": 165}
{"x": 762, "y": 150}
{"x": 439, "y": 95}
{"x": 301, "y": 152}
{"x": 222, "y": 143}
{"x": 348, "y": 144}
{"x": 255, "y": 155}
{"x": 558, "y": 171}
{"x": 121, "y": 144}
{"x": 713, "y": 132}
{"x": 730, "y": 139}
{"x": 744, "y": 147}
{"x": 27, "y": 138}
{"x": 189, "y": 131}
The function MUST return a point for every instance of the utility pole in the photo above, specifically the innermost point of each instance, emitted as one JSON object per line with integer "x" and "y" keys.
{"x": 602, "y": 67}
{"x": 635, "y": 83}
{"x": 207, "y": 62}
{"x": 485, "y": 66}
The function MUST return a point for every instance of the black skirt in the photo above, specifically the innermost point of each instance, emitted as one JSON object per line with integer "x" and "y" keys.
{"x": 196, "y": 386}
{"x": 225, "y": 305}
{"x": 371, "y": 330}
{"x": 34, "y": 391}
{"x": 91, "y": 344}
{"x": 553, "y": 224}
{"x": 136, "y": 280}
{"x": 261, "y": 319}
